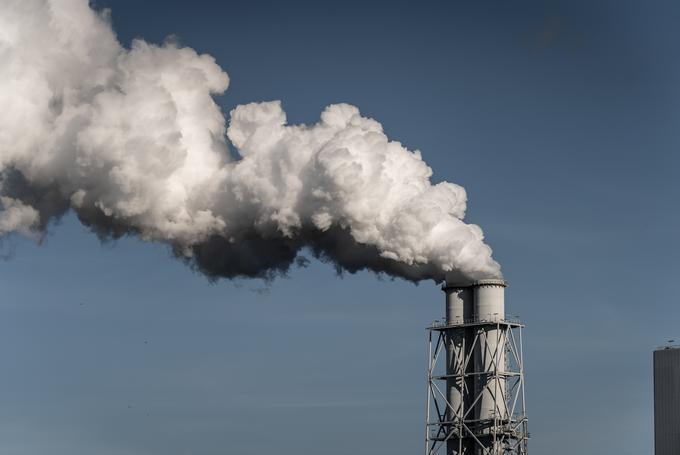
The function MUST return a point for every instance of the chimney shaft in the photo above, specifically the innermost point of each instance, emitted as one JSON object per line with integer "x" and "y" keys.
{"x": 459, "y": 309}
{"x": 489, "y": 300}
{"x": 489, "y": 351}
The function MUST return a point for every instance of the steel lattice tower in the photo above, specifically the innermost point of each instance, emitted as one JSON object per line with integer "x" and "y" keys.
{"x": 475, "y": 376}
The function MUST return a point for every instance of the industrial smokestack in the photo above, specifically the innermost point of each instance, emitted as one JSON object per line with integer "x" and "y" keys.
{"x": 459, "y": 310}
{"x": 481, "y": 411}
{"x": 489, "y": 299}
{"x": 489, "y": 352}
{"x": 132, "y": 142}
{"x": 459, "y": 303}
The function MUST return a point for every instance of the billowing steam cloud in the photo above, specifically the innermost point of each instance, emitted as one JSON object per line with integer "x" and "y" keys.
{"x": 133, "y": 142}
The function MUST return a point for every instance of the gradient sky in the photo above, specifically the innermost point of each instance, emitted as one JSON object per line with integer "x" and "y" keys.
{"x": 558, "y": 117}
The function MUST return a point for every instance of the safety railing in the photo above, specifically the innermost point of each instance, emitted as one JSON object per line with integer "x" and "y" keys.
{"x": 444, "y": 323}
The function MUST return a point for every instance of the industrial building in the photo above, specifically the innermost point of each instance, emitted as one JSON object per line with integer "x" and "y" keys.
{"x": 475, "y": 403}
{"x": 667, "y": 401}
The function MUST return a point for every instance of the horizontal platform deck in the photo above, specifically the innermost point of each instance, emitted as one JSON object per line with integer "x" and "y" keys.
{"x": 445, "y": 325}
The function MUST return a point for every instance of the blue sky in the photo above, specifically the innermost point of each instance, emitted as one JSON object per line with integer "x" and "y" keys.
{"x": 559, "y": 118}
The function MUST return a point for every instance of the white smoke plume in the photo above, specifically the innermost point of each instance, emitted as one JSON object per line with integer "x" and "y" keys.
{"x": 133, "y": 142}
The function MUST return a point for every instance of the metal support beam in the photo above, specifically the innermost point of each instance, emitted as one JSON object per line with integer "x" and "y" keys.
{"x": 475, "y": 400}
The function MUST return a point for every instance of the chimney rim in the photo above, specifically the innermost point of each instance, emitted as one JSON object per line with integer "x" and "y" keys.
{"x": 474, "y": 284}
{"x": 490, "y": 282}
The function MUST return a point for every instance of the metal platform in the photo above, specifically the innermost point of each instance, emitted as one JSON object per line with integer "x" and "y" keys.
{"x": 444, "y": 325}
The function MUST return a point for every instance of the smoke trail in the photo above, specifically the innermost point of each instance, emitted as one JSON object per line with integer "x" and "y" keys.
{"x": 133, "y": 142}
